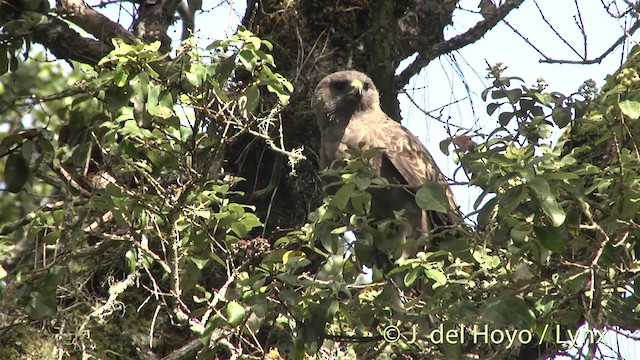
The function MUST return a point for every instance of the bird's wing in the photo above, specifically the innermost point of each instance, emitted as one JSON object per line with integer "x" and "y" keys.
{"x": 408, "y": 156}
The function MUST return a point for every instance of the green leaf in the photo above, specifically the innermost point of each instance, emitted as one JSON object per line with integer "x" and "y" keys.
{"x": 217, "y": 259}
{"x": 120, "y": 78}
{"x": 4, "y": 62}
{"x": 15, "y": 27}
{"x": 342, "y": 196}
{"x": 436, "y": 275}
{"x": 196, "y": 74}
{"x": 630, "y": 108}
{"x": 205, "y": 214}
{"x": 504, "y": 118}
{"x": 250, "y": 221}
{"x": 444, "y": 145}
{"x": 50, "y": 282}
{"x": 234, "y": 313}
{"x": 549, "y": 204}
{"x": 131, "y": 258}
{"x": 513, "y": 95}
{"x": 41, "y": 305}
{"x": 361, "y": 202}
{"x": 10, "y": 140}
{"x": 312, "y": 332}
{"x": 268, "y": 58}
{"x": 333, "y": 265}
{"x": 249, "y": 100}
{"x": 254, "y": 41}
{"x": 153, "y": 96}
{"x": 553, "y": 238}
{"x": 519, "y": 234}
{"x": 485, "y": 93}
{"x": 327, "y": 309}
{"x": 491, "y": 108}
{"x": 199, "y": 263}
{"x": 216, "y": 44}
{"x": 313, "y": 329}
{"x": 502, "y": 81}
{"x": 267, "y": 44}
{"x": 509, "y": 310}
{"x": 543, "y": 98}
{"x": 51, "y": 237}
{"x": 339, "y": 230}
{"x": 131, "y": 128}
{"x": 330, "y": 242}
{"x": 165, "y": 108}
{"x": 239, "y": 229}
{"x": 432, "y": 196}
{"x": 248, "y": 59}
{"x": 486, "y": 214}
{"x": 363, "y": 182}
{"x": 221, "y": 72}
{"x": 512, "y": 198}
{"x": 561, "y": 116}
{"x": 16, "y": 172}
{"x": 411, "y": 276}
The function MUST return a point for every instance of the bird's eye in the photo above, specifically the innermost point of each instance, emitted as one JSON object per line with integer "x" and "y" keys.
{"x": 366, "y": 86}
{"x": 339, "y": 85}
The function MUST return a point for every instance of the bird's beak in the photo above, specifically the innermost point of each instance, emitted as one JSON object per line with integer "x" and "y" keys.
{"x": 357, "y": 86}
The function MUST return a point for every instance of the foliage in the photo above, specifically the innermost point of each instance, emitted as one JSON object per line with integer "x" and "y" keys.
{"x": 124, "y": 203}
{"x": 130, "y": 157}
{"x": 547, "y": 255}
{"x": 566, "y": 217}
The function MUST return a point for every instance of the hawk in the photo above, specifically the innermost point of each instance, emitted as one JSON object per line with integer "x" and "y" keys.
{"x": 347, "y": 109}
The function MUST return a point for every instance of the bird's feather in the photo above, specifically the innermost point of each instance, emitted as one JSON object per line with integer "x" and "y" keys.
{"x": 348, "y": 118}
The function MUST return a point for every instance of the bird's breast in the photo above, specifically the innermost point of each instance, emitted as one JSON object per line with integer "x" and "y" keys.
{"x": 337, "y": 140}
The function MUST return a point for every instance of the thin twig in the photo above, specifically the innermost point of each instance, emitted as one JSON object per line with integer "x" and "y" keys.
{"x": 627, "y": 34}
{"x": 470, "y": 36}
{"x": 580, "y": 25}
{"x": 544, "y": 18}
{"x": 428, "y": 113}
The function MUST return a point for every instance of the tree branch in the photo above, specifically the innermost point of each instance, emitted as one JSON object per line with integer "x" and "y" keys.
{"x": 65, "y": 43}
{"x": 470, "y": 36}
{"x": 154, "y": 20}
{"x": 93, "y": 22}
{"x": 186, "y": 351}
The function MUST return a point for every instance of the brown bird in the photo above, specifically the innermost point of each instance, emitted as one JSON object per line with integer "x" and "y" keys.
{"x": 347, "y": 109}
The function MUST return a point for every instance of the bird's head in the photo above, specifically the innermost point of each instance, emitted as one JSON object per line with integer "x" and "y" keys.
{"x": 340, "y": 95}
